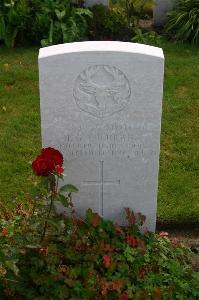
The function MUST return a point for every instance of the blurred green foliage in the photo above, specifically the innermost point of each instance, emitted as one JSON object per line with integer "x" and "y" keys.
{"x": 48, "y": 21}
{"x": 183, "y": 21}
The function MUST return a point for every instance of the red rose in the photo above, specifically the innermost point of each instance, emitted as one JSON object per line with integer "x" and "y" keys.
{"x": 59, "y": 170}
{"x": 95, "y": 220}
{"x": 142, "y": 273}
{"x": 4, "y": 232}
{"x": 124, "y": 296}
{"x": 54, "y": 155}
{"x": 42, "y": 166}
{"x": 131, "y": 241}
{"x": 50, "y": 160}
{"x": 106, "y": 261}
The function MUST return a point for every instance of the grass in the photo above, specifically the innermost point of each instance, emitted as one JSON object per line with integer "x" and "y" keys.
{"x": 178, "y": 161}
{"x": 20, "y": 129}
{"x": 19, "y": 122}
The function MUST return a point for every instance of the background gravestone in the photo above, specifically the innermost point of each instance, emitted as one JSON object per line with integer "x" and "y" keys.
{"x": 161, "y": 8}
{"x": 90, "y": 3}
{"x": 101, "y": 106}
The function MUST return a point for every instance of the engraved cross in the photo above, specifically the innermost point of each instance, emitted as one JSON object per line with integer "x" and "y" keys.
{"x": 101, "y": 184}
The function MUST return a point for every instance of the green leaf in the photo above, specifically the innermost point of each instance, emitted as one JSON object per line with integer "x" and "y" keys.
{"x": 44, "y": 42}
{"x": 68, "y": 188}
{"x": 84, "y": 12}
{"x": 58, "y": 14}
{"x": 62, "y": 14}
{"x": 50, "y": 37}
{"x": 57, "y": 226}
{"x": 2, "y": 28}
{"x": 130, "y": 254}
{"x": 63, "y": 200}
{"x": 33, "y": 246}
{"x": 89, "y": 215}
{"x": 10, "y": 36}
{"x": 12, "y": 266}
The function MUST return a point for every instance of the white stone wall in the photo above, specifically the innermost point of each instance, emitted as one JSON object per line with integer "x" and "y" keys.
{"x": 162, "y": 7}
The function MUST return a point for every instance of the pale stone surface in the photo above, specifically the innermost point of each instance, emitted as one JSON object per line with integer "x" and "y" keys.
{"x": 90, "y": 3}
{"x": 161, "y": 8}
{"x": 101, "y": 106}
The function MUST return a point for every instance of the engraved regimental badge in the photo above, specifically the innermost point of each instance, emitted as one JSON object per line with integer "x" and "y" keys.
{"x": 102, "y": 90}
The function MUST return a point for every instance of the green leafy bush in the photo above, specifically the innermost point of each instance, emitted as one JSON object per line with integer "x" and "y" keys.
{"x": 44, "y": 255}
{"x": 57, "y": 22}
{"x": 134, "y": 10}
{"x": 108, "y": 23}
{"x": 14, "y": 17}
{"x": 117, "y": 21}
{"x": 183, "y": 21}
{"x": 48, "y": 21}
{"x": 148, "y": 38}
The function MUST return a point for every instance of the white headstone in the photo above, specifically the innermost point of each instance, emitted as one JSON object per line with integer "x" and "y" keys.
{"x": 90, "y": 3}
{"x": 101, "y": 106}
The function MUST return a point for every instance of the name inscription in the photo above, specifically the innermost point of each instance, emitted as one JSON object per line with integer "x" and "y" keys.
{"x": 104, "y": 142}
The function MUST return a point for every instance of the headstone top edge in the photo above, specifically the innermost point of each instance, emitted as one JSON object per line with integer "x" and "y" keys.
{"x": 101, "y": 46}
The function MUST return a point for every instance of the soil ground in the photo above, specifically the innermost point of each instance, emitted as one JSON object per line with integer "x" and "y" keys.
{"x": 190, "y": 238}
